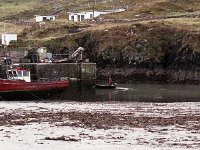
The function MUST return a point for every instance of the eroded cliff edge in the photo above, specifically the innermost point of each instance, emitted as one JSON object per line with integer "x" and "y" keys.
{"x": 163, "y": 51}
{"x": 145, "y": 53}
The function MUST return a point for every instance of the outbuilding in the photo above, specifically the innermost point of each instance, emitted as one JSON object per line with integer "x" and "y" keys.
{"x": 7, "y": 38}
{"x": 40, "y": 18}
{"x": 80, "y": 16}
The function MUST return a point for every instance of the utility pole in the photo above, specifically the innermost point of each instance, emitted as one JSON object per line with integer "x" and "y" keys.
{"x": 94, "y": 3}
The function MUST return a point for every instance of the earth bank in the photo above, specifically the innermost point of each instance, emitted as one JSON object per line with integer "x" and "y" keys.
{"x": 143, "y": 52}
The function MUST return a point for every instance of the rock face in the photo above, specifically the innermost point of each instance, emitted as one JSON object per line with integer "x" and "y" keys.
{"x": 176, "y": 66}
{"x": 153, "y": 55}
{"x": 151, "y": 52}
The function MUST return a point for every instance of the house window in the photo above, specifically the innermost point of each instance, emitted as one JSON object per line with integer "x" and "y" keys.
{"x": 82, "y": 17}
{"x": 72, "y": 18}
{"x": 79, "y": 18}
{"x": 91, "y": 16}
{"x": 14, "y": 74}
{"x": 44, "y": 18}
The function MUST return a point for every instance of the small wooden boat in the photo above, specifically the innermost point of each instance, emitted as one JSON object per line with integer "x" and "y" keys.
{"x": 18, "y": 85}
{"x": 106, "y": 86}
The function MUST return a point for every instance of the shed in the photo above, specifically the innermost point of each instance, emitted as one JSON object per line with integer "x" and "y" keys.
{"x": 40, "y": 18}
{"x": 6, "y": 38}
{"x": 80, "y": 16}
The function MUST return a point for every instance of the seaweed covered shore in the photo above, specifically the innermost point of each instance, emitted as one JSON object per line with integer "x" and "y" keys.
{"x": 107, "y": 125}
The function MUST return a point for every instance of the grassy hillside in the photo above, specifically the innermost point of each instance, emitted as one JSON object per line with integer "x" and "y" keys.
{"x": 148, "y": 8}
{"x": 158, "y": 38}
{"x": 11, "y": 9}
{"x": 177, "y": 15}
{"x": 16, "y": 9}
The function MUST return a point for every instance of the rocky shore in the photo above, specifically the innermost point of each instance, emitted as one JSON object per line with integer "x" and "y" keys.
{"x": 152, "y": 52}
{"x": 98, "y": 120}
{"x": 143, "y": 75}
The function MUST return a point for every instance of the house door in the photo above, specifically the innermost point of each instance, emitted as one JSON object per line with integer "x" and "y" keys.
{"x": 44, "y": 18}
{"x": 91, "y": 16}
{"x": 82, "y": 17}
{"x": 72, "y": 18}
{"x": 79, "y": 18}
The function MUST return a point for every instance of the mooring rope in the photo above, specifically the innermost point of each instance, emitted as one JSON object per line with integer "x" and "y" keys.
{"x": 2, "y": 98}
{"x": 25, "y": 91}
{"x": 35, "y": 95}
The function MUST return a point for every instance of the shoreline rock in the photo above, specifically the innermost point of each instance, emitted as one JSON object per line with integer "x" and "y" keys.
{"x": 161, "y": 76}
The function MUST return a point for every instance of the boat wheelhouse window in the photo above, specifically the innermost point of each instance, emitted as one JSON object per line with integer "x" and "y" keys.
{"x": 14, "y": 73}
{"x": 19, "y": 73}
{"x": 25, "y": 73}
{"x": 10, "y": 72}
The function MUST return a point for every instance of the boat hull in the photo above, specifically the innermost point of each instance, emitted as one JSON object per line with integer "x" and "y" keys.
{"x": 104, "y": 86}
{"x": 21, "y": 90}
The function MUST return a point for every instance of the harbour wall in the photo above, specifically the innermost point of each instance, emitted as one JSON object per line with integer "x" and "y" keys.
{"x": 82, "y": 78}
{"x": 85, "y": 72}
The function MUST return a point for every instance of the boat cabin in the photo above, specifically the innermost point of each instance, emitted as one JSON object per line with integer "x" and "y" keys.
{"x": 18, "y": 74}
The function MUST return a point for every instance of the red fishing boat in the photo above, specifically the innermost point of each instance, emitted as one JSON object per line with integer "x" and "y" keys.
{"x": 18, "y": 85}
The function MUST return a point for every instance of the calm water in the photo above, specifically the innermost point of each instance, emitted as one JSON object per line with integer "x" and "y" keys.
{"x": 132, "y": 92}
{"x": 150, "y": 92}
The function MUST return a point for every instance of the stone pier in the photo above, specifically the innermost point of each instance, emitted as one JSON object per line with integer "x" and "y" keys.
{"x": 85, "y": 72}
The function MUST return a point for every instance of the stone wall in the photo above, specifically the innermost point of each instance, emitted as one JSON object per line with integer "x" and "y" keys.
{"x": 77, "y": 71}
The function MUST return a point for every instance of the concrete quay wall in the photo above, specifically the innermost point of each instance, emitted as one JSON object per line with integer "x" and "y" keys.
{"x": 85, "y": 72}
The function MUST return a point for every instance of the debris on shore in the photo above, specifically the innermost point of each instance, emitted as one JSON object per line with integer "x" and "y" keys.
{"x": 146, "y": 125}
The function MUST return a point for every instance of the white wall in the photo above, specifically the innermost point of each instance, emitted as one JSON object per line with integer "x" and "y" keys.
{"x": 42, "y": 51}
{"x": 89, "y": 14}
{"x": 38, "y": 18}
{"x": 86, "y": 15}
{"x": 7, "y": 38}
{"x": 41, "y": 18}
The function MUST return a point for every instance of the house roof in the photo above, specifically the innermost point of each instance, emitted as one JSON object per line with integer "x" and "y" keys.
{"x": 44, "y": 15}
{"x": 111, "y": 11}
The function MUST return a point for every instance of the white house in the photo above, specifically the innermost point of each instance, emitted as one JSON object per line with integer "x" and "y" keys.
{"x": 39, "y": 18}
{"x": 6, "y": 38}
{"x": 80, "y": 16}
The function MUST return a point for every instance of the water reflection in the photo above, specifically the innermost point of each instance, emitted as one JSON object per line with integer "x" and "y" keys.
{"x": 150, "y": 93}
{"x": 134, "y": 92}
